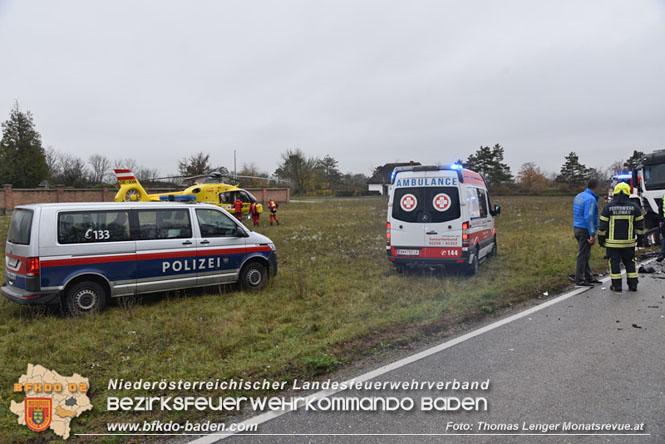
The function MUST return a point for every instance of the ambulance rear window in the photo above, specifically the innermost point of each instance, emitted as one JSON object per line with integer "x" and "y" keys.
{"x": 20, "y": 228}
{"x": 426, "y": 204}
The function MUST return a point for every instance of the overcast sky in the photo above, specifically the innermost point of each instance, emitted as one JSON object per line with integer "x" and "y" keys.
{"x": 367, "y": 82}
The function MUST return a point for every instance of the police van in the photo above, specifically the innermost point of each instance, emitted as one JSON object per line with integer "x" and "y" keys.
{"x": 85, "y": 253}
{"x": 440, "y": 216}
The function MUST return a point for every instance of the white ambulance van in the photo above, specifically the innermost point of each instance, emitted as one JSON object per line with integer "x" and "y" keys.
{"x": 85, "y": 253}
{"x": 439, "y": 216}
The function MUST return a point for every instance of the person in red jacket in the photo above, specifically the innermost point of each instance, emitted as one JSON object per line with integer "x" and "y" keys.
{"x": 272, "y": 206}
{"x": 237, "y": 206}
{"x": 254, "y": 212}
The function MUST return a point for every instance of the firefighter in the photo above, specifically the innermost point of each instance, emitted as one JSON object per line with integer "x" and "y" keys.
{"x": 272, "y": 206}
{"x": 237, "y": 207}
{"x": 620, "y": 221}
{"x": 254, "y": 212}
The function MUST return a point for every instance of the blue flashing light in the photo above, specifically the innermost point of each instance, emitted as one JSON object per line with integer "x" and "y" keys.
{"x": 393, "y": 175}
{"x": 178, "y": 197}
{"x": 624, "y": 176}
{"x": 455, "y": 166}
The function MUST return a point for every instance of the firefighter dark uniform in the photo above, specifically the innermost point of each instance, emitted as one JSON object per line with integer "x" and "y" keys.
{"x": 272, "y": 206}
{"x": 620, "y": 221}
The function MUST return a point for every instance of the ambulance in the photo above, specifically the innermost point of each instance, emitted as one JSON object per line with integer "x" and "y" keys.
{"x": 439, "y": 216}
{"x": 84, "y": 254}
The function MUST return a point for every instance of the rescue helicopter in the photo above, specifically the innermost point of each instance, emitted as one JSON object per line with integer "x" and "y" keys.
{"x": 208, "y": 188}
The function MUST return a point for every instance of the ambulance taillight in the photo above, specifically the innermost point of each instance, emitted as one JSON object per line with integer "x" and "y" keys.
{"x": 33, "y": 266}
{"x": 388, "y": 234}
{"x": 465, "y": 234}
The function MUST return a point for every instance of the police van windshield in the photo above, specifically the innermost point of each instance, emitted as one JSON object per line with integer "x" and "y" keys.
{"x": 426, "y": 204}
{"x": 654, "y": 176}
{"x": 20, "y": 228}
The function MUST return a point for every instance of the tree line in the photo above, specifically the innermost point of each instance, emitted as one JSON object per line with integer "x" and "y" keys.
{"x": 24, "y": 163}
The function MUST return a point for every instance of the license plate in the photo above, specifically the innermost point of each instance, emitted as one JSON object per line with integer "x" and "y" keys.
{"x": 408, "y": 252}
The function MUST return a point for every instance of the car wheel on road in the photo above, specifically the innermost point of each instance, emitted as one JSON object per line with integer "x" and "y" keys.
{"x": 253, "y": 276}
{"x": 85, "y": 297}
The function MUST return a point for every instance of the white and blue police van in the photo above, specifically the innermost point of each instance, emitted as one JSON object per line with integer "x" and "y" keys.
{"x": 83, "y": 254}
{"x": 439, "y": 215}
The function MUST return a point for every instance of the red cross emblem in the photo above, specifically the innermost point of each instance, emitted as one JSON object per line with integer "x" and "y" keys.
{"x": 441, "y": 202}
{"x": 408, "y": 202}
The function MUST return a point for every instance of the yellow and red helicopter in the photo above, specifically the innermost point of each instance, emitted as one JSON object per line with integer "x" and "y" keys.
{"x": 208, "y": 188}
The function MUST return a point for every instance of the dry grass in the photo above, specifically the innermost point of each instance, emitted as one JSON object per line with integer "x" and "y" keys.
{"x": 335, "y": 289}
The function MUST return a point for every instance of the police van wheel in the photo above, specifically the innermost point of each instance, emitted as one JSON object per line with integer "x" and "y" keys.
{"x": 472, "y": 268}
{"x": 85, "y": 297}
{"x": 253, "y": 276}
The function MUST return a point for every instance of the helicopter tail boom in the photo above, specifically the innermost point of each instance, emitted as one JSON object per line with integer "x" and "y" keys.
{"x": 131, "y": 189}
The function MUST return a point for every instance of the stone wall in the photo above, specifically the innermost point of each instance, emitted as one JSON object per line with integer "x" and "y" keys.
{"x": 12, "y": 197}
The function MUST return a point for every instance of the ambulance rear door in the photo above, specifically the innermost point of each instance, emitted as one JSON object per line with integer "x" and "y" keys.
{"x": 443, "y": 224}
{"x": 407, "y": 211}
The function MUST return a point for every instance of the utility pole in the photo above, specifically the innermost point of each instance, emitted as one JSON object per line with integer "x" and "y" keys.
{"x": 235, "y": 170}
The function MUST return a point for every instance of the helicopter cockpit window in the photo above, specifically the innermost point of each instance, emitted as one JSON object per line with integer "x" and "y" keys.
{"x": 226, "y": 197}
{"x": 246, "y": 197}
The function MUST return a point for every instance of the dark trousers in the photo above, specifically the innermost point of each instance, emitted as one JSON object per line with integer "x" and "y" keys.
{"x": 582, "y": 268}
{"x": 627, "y": 256}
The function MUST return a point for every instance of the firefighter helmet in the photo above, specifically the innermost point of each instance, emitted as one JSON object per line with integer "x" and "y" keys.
{"x": 622, "y": 188}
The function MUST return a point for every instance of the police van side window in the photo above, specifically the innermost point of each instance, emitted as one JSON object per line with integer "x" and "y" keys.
{"x": 482, "y": 201}
{"x": 20, "y": 227}
{"x": 164, "y": 224}
{"x": 82, "y": 227}
{"x": 215, "y": 224}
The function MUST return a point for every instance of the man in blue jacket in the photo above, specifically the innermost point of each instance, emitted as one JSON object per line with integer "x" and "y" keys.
{"x": 585, "y": 225}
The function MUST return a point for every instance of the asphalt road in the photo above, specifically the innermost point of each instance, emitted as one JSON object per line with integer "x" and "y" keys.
{"x": 596, "y": 357}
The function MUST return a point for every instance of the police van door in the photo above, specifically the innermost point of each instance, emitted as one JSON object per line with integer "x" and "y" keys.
{"x": 166, "y": 249}
{"x": 98, "y": 240}
{"x": 220, "y": 247}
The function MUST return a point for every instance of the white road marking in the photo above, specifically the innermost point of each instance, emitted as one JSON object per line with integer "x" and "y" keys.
{"x": 268, "y": 416}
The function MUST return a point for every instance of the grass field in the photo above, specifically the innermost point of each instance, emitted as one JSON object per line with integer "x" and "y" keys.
{"x": 336, "y": 297}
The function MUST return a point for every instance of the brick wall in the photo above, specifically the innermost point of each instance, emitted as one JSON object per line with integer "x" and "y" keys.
{"x": 12, "y": 197}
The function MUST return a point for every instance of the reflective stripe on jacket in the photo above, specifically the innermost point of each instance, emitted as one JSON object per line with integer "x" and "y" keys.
{"x": 620, "y": 221}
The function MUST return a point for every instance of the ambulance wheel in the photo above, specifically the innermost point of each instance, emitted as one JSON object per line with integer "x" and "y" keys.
{"x": 253, "y": 276}
{"x": 495, "y": 249}
{"x": 472, "y": 268}
{"x": 399, "y": 268}
{"x": 85, "y": 297}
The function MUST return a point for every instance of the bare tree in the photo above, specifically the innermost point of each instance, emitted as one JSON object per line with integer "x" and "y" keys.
{"x": 101, "y": 167}
{"x": 51, "y": 156}
{"x": 74, "y": 171}
{"x": 195, "y": 165}
{"x": 125, "y": 164}
{"x": 146, "y": 175}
